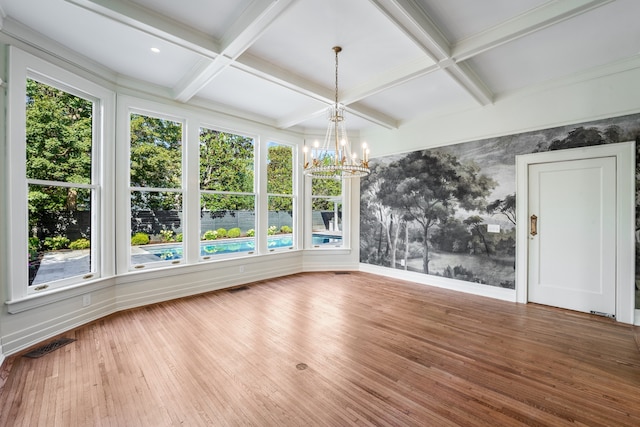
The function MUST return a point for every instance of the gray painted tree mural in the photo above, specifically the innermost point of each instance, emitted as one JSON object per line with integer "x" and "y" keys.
{"x": 450, "y": 211}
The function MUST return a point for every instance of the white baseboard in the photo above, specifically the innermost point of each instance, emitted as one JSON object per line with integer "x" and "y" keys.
{"x": 442, "y": 282}
{"x": 41, "y": 320}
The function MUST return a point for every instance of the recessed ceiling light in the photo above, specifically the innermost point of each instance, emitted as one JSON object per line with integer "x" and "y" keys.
{"x": 155, "y": 50}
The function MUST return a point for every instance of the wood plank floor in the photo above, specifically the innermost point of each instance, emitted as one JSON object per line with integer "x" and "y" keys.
{"x": 325, "y": 349}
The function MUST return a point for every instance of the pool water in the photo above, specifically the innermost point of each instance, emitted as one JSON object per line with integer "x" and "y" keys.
{"x": 248, "y": 244}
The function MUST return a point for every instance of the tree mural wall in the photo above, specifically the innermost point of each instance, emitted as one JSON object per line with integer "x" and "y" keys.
{"x": 450, "y": 211}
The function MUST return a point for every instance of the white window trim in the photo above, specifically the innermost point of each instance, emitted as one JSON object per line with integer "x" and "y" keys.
{"x": 260, "y": 243}
{"x": 23, "y": 65}
{"x": 294, "y": 193}
{"x": 346, "y": 216}
{"x": 126, "y": 107}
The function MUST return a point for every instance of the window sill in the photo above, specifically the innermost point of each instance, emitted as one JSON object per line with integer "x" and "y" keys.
{"x": 55, "y": 295}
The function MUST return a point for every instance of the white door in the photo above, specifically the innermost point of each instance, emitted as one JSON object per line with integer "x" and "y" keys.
{"x": 572, "y": 234}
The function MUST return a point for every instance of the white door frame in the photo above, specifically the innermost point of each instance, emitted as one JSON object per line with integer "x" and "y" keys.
{"x": 625, "y": 229}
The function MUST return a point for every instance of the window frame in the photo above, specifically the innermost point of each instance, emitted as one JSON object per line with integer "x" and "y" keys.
{"x": 154, "y": 111}
{"x": 294, "y": 194}
{"x": 345, "y": 194}
{"x": 257, "y": 178}
{"x": 23, "y": 66}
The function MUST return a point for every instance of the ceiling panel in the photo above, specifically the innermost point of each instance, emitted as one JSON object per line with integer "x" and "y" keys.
{"x": 563, "y": 49}
{"x": 428, "y": 94}
{"x": 301, "y": 40}
{"x": 212, "y": 17}
{"x": 241, "y": 90}
{"x": 459, "y": 19}
{"x": 285, "y": 68}
{"x": 117, "y": 46}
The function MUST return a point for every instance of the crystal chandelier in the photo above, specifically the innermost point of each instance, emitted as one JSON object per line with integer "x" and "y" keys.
{"x": 335, "y": 159}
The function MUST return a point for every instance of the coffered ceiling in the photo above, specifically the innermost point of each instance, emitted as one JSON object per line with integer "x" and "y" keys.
{"x": 272, "y": 60}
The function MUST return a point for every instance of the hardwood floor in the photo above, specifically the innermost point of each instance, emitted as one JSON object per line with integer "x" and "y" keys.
{"x": 377, "y": 351}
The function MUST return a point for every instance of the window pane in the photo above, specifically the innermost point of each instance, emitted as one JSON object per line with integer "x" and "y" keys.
{"x": 60, "y": 233}
{"x": 326, "y": 221}
{"x": 226, "y": 161}
{"x": 59, "y": 135}
{"x": 279, "y": 169}
{"x": 227, "y": 224}
{"x": 156, "y": 226}
{"x": 280, "y": 229}
{"x": 326, "y": 187}
{"x": 156, "y": 152}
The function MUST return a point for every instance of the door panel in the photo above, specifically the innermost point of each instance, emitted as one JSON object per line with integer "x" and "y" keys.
{"x": 572, "y": 257}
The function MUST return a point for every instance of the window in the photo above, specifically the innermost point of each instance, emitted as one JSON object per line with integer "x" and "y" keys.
{"x": 156, "y": 190}
{"x": 227, "y": 197}
{"x": 61, "y": 190}
{"x": 326, "y": 213}
{"x": 280, "y": 197}
{"x": 55, "y": 173}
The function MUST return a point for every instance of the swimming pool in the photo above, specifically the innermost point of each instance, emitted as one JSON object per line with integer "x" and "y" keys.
{"x": 174, "y": 251}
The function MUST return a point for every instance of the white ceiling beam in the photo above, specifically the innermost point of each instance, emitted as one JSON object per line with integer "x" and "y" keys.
{"x": 218, "y": 55}
{"x": 467, "y": 78}
{"x": 268, "y": 71}
{"x": 414, "y": 23}
{"x": 263, "y": 69}
{"x": 255, "y": 20}
{"x": 374, "y": 116}
{"x": 300, "y": 117}
{"x": 410, "y": 18}
{"x": 390, "y": 79}
{"x": 536, "y": 19}
{"x": 154, "y": 24}
{"x": 192, "y": 82}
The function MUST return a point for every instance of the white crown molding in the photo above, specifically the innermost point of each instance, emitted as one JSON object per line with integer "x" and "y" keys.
{"x": 16, "y": 34}
{"x": 612, "y": 68}
{"x": 154, "y": 24}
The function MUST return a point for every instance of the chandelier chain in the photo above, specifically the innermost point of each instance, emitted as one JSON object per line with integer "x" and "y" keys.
{"x": 337, "y": 50}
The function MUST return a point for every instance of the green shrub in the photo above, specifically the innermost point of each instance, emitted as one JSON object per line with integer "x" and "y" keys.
{"x": 166, "y": 235}
{"x": 233, "y": 233}
{"x": 272, "y": 230}
{"x": 286, "y": 229}
{"x": 179, "y": 237}
{"x": 139, "y": 239}
{"x": 221, "y": 233}
{"x": 34, "y": 247}
{"x": 56, "y": 243}
{"x": 210, "y": 235}
{"x": 81, "y": 243}
{"x": 251, "y": 232}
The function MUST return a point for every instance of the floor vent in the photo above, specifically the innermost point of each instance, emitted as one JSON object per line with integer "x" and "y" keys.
{"x": 342, "y": 272}
{"x": 48, "y": 348}
{"x": 239, "y": 289}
